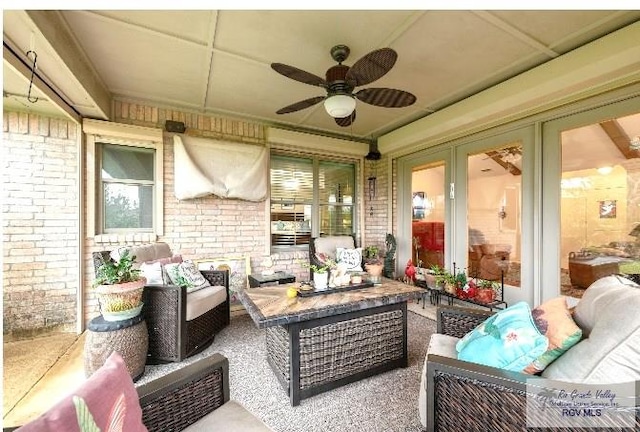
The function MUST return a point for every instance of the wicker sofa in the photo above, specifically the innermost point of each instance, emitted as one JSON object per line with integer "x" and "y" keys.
{"x": 458, "y": 395}
{"x": 180, "y": 324}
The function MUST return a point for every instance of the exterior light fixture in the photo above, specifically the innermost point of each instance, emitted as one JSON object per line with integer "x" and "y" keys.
{"x": 339, "y": 105}
{"x": 605, "y": 170}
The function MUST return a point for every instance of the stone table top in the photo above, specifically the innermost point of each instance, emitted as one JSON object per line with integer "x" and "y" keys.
{"x": 270, "y": 306}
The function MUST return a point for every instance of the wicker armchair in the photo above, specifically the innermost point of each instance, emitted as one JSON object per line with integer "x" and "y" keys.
{"x": 473, "y": 397}
{"x": 172, "y": 337}
{"x": 197, "y": 393}
{"x": 327, "y": 245}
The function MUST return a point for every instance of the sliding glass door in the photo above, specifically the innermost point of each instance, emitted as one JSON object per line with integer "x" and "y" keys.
{"x": 424, "y": 209}
{"x": 494, "y": 211}
{"x": 591, "y": 190}
{"x": 597, "y": 193}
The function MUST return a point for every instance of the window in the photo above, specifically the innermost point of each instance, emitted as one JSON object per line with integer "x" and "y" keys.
{"x": 126, "y": 188}
{"x": 309, "y": 198}
{"x": 125, "y": 180}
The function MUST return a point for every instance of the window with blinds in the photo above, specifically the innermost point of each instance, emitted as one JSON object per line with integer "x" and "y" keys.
{"x": 299, "y": 210}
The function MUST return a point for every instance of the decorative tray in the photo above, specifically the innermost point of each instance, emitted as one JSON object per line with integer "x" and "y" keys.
{"x": 309, "y": 291}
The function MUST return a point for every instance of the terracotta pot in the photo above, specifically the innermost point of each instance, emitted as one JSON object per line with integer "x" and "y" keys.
{"x": 374, "y": 269}
{"x": 451, "y": 288}
{"x": 430, "y": 279}
{"x": 120, "y": 297}
{"x": 485, "y": 295}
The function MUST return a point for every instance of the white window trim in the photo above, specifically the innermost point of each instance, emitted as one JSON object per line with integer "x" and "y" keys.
{"x": 129, "y": 135}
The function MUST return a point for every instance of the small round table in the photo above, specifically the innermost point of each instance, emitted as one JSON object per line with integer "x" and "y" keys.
{"x": 129, "y": 338}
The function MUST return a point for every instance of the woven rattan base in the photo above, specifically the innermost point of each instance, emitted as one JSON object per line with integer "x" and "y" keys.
{"x": 318, "y": 355}
{"x": 130, "y": 342}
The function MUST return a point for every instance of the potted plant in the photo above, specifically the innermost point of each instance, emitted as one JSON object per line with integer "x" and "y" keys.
{"x": 433, "y": 276}
{"x": 119, "y": 287}
{"x": 320, "y": 273}
{"x": 448, "y": 280}
{"x": 486, "y": 292}
{"x": 460, "y": 281}
{"x": 372, "y": 262}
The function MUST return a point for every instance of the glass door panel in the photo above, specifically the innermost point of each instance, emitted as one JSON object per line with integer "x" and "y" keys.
{"x": 428, "y": 214}
{"x": 599, "y": 202}
{"x": 494, "y": 185}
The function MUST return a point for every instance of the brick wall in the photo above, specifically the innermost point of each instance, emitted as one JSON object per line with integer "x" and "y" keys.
{"x": 40, "y": 207}
{"x": 212, "y": 227}
{"x": 375, "y": 210}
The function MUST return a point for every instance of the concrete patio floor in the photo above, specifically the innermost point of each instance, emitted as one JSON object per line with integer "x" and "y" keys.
{"x": 37, "y": 373}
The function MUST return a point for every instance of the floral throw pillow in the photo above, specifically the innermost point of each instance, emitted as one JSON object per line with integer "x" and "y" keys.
{"x": 352, "y": 258}
{"x": 508, "y": 340}
{"x": 553, "y": 319}
{"x": 107, "y": 401}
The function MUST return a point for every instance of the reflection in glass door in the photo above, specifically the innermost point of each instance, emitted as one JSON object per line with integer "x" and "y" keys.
{"x": 428, "y": 214}
{"x": 599, "y": 203}
{"x": 494, "y": 184}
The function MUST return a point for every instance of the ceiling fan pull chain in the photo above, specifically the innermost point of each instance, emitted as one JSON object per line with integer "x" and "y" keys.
{"x": 33, "y": 71}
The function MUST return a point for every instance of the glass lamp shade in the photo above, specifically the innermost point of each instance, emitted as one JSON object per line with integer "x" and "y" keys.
{"x": 339, "y": 106}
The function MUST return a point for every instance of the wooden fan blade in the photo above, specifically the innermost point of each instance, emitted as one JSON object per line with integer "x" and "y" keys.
{"x": 346, "y": 121}
{"x": 372, "y": 67}
{"x": 300, "y": 105}
{"x": 298, "y": 74}
{"x": 386, "y": 97}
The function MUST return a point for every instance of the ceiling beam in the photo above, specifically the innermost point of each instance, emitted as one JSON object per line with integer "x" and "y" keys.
{"x": 506, "y": 165}
{"x": 55, "y": 31}
{"x": 619, "y": 137}
{"x": 17, "y": 64}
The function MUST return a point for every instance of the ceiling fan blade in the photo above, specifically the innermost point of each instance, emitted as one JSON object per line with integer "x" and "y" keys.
{"x": 298, "y": 74}
{"x": 346, "y": 121}
{"x": 371, "y": 67}
{"x": 300, "y": 105}
{"x": 385, "y": 97}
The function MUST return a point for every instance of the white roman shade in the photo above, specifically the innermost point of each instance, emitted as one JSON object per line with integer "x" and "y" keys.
{"x": 205, "y": 166}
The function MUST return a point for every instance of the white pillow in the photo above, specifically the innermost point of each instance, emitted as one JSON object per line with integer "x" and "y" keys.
{"x": 153, "y": 272}
{"x": 194, "y": 279}
{"x": 351, "y": 257}
{"x": 172, "y": 274}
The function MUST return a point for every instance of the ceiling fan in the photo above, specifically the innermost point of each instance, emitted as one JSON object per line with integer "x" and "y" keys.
{"x": 341, "y": 80}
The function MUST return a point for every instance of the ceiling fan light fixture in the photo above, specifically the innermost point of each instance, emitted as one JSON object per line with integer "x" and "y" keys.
{"x": 340, "y": 105}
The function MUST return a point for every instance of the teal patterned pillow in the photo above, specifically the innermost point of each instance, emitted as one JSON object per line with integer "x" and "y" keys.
{"x": 507, "y": 340}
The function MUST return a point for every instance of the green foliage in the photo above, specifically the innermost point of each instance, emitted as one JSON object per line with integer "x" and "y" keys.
{"x": 483, "y": 283}
{"x": 111, "y": 272}
{"x": 461, "y": 278}
{"x": 371, "y": 252}
{"x": 435, "y": 269}
{"x": 319, "y": 269}
{"x": 120, "y": 211}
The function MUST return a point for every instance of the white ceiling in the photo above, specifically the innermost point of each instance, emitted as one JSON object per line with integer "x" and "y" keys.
{"x": 218, "y": 62}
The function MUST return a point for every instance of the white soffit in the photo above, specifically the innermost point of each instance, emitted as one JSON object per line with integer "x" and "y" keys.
{"x": 304, "y": 141}
{"x": 608, "y": 63}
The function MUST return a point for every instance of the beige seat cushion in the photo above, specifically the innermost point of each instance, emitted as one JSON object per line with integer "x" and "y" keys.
{"x": 203, "y": 300}
{"x": 442, "y": 345}
{"x": 229, "y": 417}
{"x": 144, "y": 253}
{"x": 608, "y": 315}
{"x": 328, "y": 245}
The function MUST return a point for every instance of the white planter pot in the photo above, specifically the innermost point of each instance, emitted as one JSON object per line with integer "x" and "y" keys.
{"x": 320, "y": 281}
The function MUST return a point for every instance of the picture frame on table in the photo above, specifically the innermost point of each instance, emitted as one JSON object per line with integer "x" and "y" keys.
{"x": 239, "y": 268}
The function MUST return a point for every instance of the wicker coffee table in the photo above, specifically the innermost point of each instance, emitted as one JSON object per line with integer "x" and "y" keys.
{"x": 318, "y": 343}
